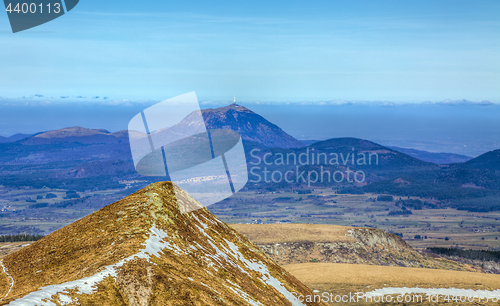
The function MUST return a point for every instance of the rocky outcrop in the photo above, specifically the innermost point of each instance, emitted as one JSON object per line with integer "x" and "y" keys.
{"x": 349, "y": 245}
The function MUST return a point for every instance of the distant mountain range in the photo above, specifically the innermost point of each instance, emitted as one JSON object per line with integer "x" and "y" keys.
{"x": 256, "y": 131}
{"x": 431, "y": 157}
{"x": 437, "y": 158}
{"x": 338, "y": 155}
{"x": 13, "y": 138}
{"x": 79, "y": 135}
{"x": 251, "y": 126}
{"x": 80, "y": 158}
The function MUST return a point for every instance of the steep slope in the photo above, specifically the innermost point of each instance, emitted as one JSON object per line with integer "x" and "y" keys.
{"x": 18, "y": 136}
{"x": 432, "y": 157}
{"x": 251, "y": 126}
{"x": 294, "y": 243}
{"x": 13, "y": 138}
{"x": 342, "y": 152}
{"x": 143, "y": 251}
{"x": 488, "y": 160}
{"x": 482, "y": 172}
{"x": 324, "y": 158}
{"x": 388, "y": 159}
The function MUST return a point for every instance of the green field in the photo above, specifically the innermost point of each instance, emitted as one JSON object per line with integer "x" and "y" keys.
{"x": 20, "y": 216}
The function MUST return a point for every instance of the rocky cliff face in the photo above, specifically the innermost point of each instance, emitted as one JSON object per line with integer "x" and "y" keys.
{"x": 340, "y": 244}
{"x": 143, "y": 251}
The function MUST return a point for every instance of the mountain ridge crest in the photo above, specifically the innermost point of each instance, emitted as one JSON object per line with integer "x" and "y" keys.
{"x": 144, "y": 242}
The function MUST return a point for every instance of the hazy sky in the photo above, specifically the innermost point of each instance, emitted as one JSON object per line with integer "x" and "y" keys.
{"x": 397, "y": 51}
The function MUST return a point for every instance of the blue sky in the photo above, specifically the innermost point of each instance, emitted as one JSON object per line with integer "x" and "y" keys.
{"x": 290, "y": 51}
{"x": 271, "y": 55}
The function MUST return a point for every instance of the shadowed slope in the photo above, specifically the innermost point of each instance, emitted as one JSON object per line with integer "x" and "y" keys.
{"x": 251, "y": 126}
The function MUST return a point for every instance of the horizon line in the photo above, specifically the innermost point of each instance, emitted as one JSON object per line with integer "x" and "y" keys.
{"x": 40, "y": 100}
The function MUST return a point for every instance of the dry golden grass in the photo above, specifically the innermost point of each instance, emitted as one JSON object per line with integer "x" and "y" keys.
{"x": 281, "y": 233}
{"x": 299, "y": 243}
{"x": 7, "y": 248}
{"x": 342, "y": 279}
{"x": 5, "y": 283}
{"x": 383, "y": 276}
{"x": 188, "y": 271}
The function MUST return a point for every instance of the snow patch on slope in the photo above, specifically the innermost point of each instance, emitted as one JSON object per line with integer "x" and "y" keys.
{"x": 220, "y": 253}
{"x": 264, "y": 272}
{"x": 233, "y": 255}
{"x": 153, "y": 247}
{"x": 11, "y": 279}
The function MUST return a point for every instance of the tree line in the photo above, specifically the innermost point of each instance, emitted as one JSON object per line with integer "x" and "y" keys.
{"x": 484, "y": 255}
{"x": 15, "y": 238}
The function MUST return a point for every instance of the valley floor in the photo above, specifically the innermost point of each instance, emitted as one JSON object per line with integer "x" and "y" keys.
{"x": 444, "y": 227}
{"x": 469, "y": 230}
